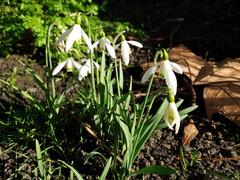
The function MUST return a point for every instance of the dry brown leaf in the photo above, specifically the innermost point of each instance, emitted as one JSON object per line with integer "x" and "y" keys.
{"x": 189, "y": 133}
{"x": 225, "y": 71}
{"x": 189, "y": 62}
{"x": 223, "y": 98}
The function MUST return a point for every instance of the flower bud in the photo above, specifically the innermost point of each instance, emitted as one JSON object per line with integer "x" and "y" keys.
{"x": 122, "y": 37}
{"x": 170, "y": 96}
{"x": 78, "y": 19}
{"x": 102, "y": 34}
{"x": 165, "y": 55}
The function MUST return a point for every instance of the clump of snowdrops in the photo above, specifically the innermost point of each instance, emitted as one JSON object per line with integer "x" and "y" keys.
{"x": 108, "y": 108}
{"x": 112, "y": 110}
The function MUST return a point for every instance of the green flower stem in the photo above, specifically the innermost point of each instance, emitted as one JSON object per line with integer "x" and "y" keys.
{"x": 102, "y": 68}
{"x": 93, "y": 79}
{"x": 48, "y": 59}
{"x": 146, "y": 98}
{"x": 117, "y": 77}
{"x": 141, "y": 124}
{"x": 97, "y": 75}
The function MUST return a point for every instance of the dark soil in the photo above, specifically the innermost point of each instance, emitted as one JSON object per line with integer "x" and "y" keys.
{"x": 209, "y": 28}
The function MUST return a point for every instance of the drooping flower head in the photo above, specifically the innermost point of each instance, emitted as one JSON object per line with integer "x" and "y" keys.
{"x": 125, "y": 48}
{"x": 171, "y": 115}
{"x": 70, "y": 63}
{"x": 166, "y": 69}
{"x": 75, "y": 33}
{"x": 85, "y": 69}
{"x": 104, "y": 43}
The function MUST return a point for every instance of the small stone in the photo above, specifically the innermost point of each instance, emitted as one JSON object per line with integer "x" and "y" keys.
{"x": 168, "y": 146}
{"x": 161, "y": 163}
{"x": 152, "y": 158}
{"x": 170, "y": 137}
{"x": 209, "y": 135}
{"x": 213, "y": 151}
{"x": 222, "y": 142}
{"x": 205, "y": 155}
{"x": 219, "y": 135}
{"x": 234, "y": 154}
{"x": 159, "y": 134}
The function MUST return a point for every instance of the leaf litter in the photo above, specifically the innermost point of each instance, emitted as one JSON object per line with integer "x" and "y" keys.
{"x": 221, "y": 81}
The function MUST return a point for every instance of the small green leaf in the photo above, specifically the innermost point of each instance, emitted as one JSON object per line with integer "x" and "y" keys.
{"x": 28, "y": 96}
{"x": 39, "y": 159}
{"x": 179, "y": 103}
{"x": 127, "y": 134}
{"x": 79, "y": 177}
{"x": 155, "y": 169}
{"x": 40, "y": 82}
{"x": 188, "y": 110}
{"x": 106, "y": 169}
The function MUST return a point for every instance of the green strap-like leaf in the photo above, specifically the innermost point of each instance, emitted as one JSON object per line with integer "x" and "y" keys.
{"x": 39, "y": 159}
{"x": 155, "y": 169}
{"x": 79, "y": 177}
{"x": 106, "y": 169}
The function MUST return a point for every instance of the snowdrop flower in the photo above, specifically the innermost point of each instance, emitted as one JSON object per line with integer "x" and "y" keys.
{"x": 75, "y": 33}
{"x": 85, "y": 69}
{"x": 104, "y": 43}
{"x": 70, "y": 64}
{"x": 171, "y": 115}
{"x": 166, "y": 70}
{"x": 125, "y": 49}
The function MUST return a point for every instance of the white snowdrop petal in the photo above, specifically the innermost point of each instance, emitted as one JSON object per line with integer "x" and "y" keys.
{"x": 149, "y": 73}
{"x": 58, "y": 68}
{"x": 177, "y": 126}
{"x": 175, "y": 115}
{"x": 75, "y": 35}
{"x": 69, "y": 64}
{"x": 116, "y": 46}
{"x": 104, "y": 41}
{"x": 76, "y": 64}
{"x": 169, "y": 76}
{"x": 94, "y": 45}
{"x": 176, "y": 68}
{"x": 171, "y": 81}
{"x": 172, "y": 117}
{"x": 125, "y": 51}
{"x": 88, "y": 64}
{"x": 135, "y": 43}
{"x": 87, "y": 40}
{"x": 83, "y": 72}
{"x": 167, "y": 117}
{"x": 110, "y": 49}
{"x": 80, "y": 77}
{"x": 63, "y": 36}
